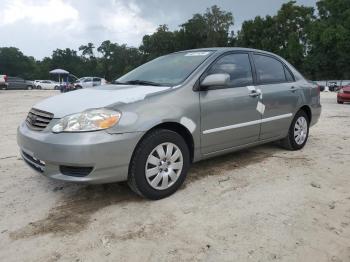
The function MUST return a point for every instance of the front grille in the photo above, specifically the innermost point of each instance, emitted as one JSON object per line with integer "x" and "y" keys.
{"x": 38, "y": 120}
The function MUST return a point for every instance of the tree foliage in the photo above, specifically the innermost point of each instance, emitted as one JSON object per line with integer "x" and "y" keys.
{"x": 285, "y": 33}
{"x": 317, "y": 42}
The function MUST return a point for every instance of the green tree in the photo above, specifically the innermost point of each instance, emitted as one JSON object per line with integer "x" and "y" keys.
{"x": 159, "y": 43}
{"x": 87, "y": 50}
{"x": 285, "y": 33}
{"x": 89, "y": 61}
{"x": 67, "y": 59}
{"x": 207, "y": 30}
{"x": 14, "y": 63}
{"x": 117, "y": 59}
{"x": 329, "y": 54}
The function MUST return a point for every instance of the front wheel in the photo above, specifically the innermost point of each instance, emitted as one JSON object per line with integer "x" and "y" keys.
{"x": 340, "y": 102}
{"x": 298, "y": 132}
{"x": 29, "y": 87}
{"x": 159, "y": 165}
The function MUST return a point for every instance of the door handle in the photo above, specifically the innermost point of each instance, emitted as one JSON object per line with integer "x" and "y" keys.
{"x": 293, "y": 89}
{"x": 254, "y": 93}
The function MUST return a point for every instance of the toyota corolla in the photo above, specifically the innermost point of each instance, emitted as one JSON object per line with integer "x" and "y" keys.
{"x": 148, "y": 126}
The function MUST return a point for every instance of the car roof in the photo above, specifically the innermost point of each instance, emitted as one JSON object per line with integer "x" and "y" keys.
{"x": 226, "y": 49}
{"x": 89, "y": 77}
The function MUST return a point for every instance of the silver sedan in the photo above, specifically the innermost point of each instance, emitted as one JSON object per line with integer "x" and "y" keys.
{"x": 148, "y": 126}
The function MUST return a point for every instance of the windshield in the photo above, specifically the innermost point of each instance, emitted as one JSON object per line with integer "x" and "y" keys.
{"x": 80, "y": 79}
{"x": 166, "y": 70}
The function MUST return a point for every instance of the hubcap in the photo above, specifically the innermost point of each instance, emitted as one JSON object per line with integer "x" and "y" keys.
{"x": 164, "y": 166}
{"x": 300, "y": 130}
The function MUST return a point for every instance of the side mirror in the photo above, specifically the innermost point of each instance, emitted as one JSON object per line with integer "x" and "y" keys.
{"x": 215, "y": 80}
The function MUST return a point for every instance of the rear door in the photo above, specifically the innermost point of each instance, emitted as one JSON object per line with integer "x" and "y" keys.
{"x": 279, "y": 95}
{"x": 97, "y": 81}
{"x": 87, "y": 82}
{"x": 45, "y": 84}
{"x": 18, "y": 83}
{"x": 228, "y": 114}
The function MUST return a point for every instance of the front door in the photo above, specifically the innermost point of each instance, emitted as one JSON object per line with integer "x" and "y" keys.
{"x": 229, "y": 115}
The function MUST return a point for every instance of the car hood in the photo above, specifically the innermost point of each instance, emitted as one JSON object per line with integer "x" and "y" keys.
{"x": 80, "y": 100}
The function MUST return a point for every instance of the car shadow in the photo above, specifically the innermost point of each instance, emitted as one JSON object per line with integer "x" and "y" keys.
{"x": 73, "y": 211}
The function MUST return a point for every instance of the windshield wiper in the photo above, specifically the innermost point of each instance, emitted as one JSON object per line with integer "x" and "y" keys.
{"x": 118, "y": 83}
{"x": 136, "y": 82}
{"x": 142, "y": 82}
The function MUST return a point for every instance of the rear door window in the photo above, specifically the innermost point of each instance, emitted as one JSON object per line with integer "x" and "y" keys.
{"x": 269, "y": 70}
{"x": 289, "y": 76}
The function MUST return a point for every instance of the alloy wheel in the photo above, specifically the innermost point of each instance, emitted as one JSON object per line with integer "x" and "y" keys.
{"x": 300, "y": 130}
{"x": 164, "y": 166}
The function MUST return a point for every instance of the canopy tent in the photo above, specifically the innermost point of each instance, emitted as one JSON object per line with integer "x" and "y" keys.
{"x": 59, "y": 72}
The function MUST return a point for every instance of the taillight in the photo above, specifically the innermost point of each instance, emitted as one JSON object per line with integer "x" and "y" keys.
{"x": 5, "y": 77}
{"x": 319, "y": 89}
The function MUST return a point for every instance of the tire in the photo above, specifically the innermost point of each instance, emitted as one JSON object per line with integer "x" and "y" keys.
{"x": 38, "y": 87}
{"x": 56, "y": 88}
{"x": 340, "y": 102}
{"x": 165, "y": 177}
{"x": 293, "y": 141}
{"x": 29, "y": 87}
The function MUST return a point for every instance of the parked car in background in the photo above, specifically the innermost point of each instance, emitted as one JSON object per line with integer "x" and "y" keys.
{"x": 343, "y": 94}
{"x": 47, "y": 84}
{"x": 85, "y": 82}
{"x": 35, "y": 82}
{"x": 152, "y": 123}
{"x": 3, "y": 81}
{"x": 333, "y": 86}
{"x": 19, "y": 83}
{"x": 66, "y": 87}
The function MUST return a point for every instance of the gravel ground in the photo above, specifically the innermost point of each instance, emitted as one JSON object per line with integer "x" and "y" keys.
{"x": 260, "y": 204}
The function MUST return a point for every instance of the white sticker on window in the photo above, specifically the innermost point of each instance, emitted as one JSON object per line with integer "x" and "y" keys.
{"x": 198, "y": 54}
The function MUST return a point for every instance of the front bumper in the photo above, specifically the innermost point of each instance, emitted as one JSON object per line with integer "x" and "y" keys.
{"x": 108, "y": 155}
{"x": 344, "y": 97}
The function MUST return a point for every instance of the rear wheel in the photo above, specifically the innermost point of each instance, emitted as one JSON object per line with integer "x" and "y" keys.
{"x": 29, "y": 87}
{"x": 159, "y": 165}
{"x": 298, "y": 132}
{"x": 38, "y": 87}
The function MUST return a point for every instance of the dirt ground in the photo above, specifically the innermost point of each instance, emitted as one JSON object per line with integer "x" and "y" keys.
{"x": 261, "y": 204}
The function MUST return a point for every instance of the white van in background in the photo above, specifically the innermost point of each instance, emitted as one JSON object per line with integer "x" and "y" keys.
{"x": 89, "y": 81}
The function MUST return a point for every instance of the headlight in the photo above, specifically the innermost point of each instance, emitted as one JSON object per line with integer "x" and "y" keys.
{"x": 89, "y": 120}
{"x": 341, "y": 91}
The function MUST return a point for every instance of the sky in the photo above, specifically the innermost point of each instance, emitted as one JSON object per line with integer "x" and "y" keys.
{"x": 37, "y": 27}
